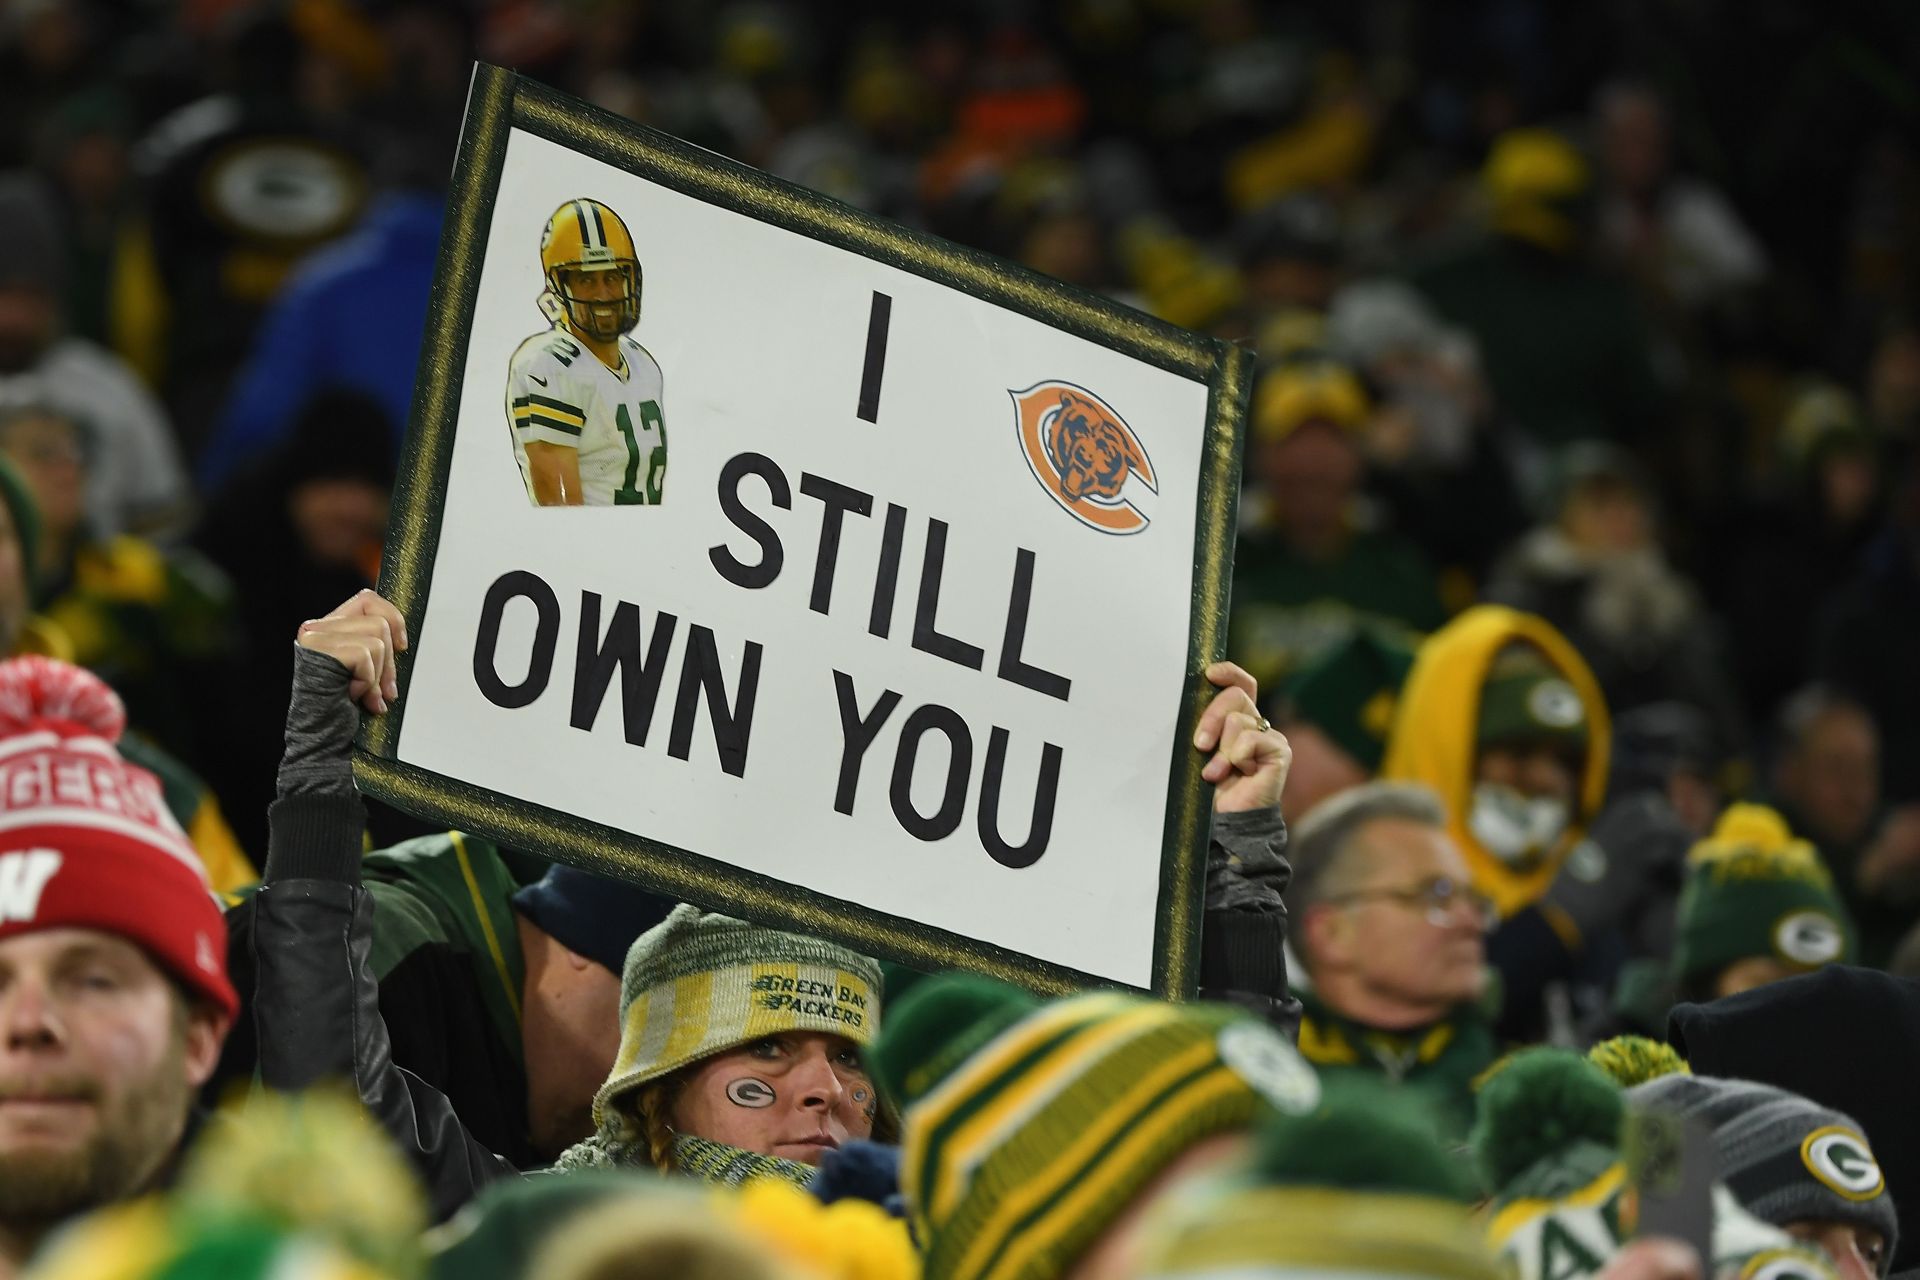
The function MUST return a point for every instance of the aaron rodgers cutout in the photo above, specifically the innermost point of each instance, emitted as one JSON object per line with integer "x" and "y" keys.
{"x": 583, "y": 397}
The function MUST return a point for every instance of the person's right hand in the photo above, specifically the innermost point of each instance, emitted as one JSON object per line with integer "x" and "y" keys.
{"x": 362, "y": 635}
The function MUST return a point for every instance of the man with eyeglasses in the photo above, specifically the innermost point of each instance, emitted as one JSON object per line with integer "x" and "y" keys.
{"x": 1391, "y": 934}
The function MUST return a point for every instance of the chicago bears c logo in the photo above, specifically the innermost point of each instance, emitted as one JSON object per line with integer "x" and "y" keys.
{"x": 1084, "y": 455}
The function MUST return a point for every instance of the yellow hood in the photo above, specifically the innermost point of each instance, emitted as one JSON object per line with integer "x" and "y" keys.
{"x": 1434, "y": 732}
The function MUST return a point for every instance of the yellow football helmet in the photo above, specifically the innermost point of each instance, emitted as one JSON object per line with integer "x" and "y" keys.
{"x": 584, "y": 237}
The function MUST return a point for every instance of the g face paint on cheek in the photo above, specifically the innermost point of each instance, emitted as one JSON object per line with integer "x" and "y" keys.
{"x": 866, "y": 1100}
{"x": 752, "y": 1093}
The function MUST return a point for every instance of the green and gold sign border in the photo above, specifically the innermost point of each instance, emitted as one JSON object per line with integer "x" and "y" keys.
{"x": 500, "y": 102}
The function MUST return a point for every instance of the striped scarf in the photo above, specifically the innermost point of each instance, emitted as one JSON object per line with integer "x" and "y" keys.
{"x": 712, "y": 1162}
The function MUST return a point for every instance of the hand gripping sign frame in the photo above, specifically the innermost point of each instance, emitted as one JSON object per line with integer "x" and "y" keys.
{"x": 503, "y": 104}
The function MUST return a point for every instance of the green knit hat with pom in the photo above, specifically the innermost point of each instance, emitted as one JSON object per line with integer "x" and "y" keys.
{"x": 1753, "y": 890}
{"x": 1028, "y": 1127}
{"x": 1361, "y": 1186}
{"x": 1546, "y": 1140}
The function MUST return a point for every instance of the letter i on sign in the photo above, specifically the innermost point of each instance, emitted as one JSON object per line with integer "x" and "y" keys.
{"x": 876, "y": 363}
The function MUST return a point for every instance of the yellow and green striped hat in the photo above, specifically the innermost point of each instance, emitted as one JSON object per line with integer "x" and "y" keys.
{"x": 697, "y": 984}
{"x": 1028, "y": 1128}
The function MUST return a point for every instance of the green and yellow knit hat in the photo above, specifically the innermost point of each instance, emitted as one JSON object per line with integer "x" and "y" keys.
{"x": 1754, "y": 890}
{"x": 1526, "y": 699}
{"x": 1360, "y": 1187}
{"x": 1351, "y": 691}
{"x": 697, "y": 984}
{"x": 1028, "y": 1127}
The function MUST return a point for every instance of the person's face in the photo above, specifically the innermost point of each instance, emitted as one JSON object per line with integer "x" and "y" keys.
{"x": 797, "y": 1095}
{"x": 1311, "y": 475}
{"x": 98, "y": 1070}
{"x": 27, "y": 319}
{"x": 1893, "y": 381}
{"x": 1382, "y": 928}
{"x": 1065, "y": 246}
{"x": 1633, "y": 143}
{"x": 570, "y": 1032}
{"x": 1752, "y": 972}
{"x": 1607, "y": 519}
{"x": 1834, "y": 778}
{"x": 596, "y": 299}
{"x": 1538, "y": 772}
{"x": 338, "y": 519}
{"x": 1848, "y": 484}
{"x": 1856, "y": 1250}
{"x": 46, "y": 450}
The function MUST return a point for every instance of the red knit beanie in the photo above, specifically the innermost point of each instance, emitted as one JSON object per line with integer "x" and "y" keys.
{"x": 86, "y": 839}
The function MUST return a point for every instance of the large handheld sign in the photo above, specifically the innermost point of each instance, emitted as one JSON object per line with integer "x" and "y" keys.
{"x": 804, "y": 566}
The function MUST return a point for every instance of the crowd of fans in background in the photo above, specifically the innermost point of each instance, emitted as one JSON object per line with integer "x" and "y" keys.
{"x": 1580, "y": 535}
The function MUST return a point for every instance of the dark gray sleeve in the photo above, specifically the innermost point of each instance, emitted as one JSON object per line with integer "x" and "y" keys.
{"x": 321, "y": 722}
{"x": 1244, "y": 931}
{"x": 316, "y": 1005}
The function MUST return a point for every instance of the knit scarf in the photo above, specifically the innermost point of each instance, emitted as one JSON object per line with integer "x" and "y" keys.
{"x": 713, "y": 1162}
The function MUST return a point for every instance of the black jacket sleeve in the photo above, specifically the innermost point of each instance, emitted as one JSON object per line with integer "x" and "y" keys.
{"x": 316, "y": 1004}
{"x": 1243, "y": 935}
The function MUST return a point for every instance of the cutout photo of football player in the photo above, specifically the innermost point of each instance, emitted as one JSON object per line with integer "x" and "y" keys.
{"x": 583, "y": 398}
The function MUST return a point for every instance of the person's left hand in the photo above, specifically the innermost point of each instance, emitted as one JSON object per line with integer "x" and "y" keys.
{"x": 1250, "y": 756}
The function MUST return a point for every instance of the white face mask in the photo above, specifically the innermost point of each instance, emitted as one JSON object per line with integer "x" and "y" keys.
{"x": 1515, "y": 828}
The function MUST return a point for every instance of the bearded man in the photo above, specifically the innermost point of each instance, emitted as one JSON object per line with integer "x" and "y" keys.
{"x": 114, "y": 997}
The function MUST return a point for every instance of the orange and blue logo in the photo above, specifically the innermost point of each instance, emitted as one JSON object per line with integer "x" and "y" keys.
{"x": 1084, "y": 455}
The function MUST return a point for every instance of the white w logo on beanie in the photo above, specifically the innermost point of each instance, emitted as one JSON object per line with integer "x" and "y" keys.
{"x": 23, "y": 878}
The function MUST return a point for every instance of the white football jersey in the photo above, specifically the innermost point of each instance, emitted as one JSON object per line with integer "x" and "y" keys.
{"x": 559, "y": 392}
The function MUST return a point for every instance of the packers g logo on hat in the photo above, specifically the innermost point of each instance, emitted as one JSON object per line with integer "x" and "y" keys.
{"x": 1783, "y": 1264}
{"x": 1809, "y": 937}
{"x": 1841, "y": 1159}
{"x": 1273, "y": 1068}
{"x": 1555, "y": 704}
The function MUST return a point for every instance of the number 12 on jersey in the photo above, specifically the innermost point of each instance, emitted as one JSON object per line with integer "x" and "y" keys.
{"x": 630, "y": 494}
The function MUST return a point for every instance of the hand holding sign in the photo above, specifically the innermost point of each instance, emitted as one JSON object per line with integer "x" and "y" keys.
{"x": 363, "y": 635}
{"x": 1250, "y": 757}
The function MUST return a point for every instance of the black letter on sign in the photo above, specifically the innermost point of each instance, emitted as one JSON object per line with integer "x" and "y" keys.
{"x": 771, "y": 555}
{"x": 943, "y": 823}
{"x": 731, "y": 725}
{"x": 838, "y": 499}
{"x": 1041, "y": 829}
{"x": 639, "y": 680}
{"x": 859, "y": 735}
{"x": 1011, "y": 667}
{"x": 869, "y": 407}
{"x": 926, "y": 637}
{"x": 880, "y": 622}
{"x": 546, "y": 634}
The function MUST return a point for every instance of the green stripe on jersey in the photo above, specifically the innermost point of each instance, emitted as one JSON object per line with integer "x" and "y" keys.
{"x": 541, "y": 420}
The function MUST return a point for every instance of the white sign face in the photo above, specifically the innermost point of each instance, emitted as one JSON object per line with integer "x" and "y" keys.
{"x": 790, "y": 574}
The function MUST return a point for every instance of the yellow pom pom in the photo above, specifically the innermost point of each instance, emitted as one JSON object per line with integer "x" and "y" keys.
{"x": 1633, "y": 1060}
{"x": 848, "y": 1240}
{"x": 1754, "y": 834}
{"x": 1753, "y": 826}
